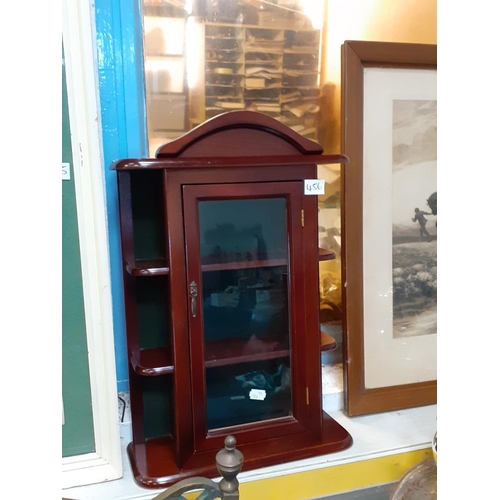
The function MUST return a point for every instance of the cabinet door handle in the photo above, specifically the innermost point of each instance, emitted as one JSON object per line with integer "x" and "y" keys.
{"x": 193, "y": 292}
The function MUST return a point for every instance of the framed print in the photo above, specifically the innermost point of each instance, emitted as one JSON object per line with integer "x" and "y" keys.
{"x": 389, "y": 225}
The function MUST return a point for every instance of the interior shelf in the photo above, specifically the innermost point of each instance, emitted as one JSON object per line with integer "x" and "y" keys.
{"x": 323, "y": 254}
{"x": 247, "y": 264}
{"x": 236, "y": 350}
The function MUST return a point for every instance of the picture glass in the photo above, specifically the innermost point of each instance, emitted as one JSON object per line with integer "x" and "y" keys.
{"x": 414, "y": 239}
{"x": 399, "y": 226}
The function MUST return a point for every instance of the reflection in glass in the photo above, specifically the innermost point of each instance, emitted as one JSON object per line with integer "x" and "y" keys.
{"x": 244, "y": 262}
{"x": 203, "y": 58}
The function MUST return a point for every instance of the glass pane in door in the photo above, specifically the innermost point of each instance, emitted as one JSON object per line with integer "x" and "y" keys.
{"x": 245, "y": 270}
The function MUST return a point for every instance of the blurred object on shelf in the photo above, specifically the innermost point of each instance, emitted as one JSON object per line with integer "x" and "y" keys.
{"x": 329, "y": 220}
{"x": 330, "y": 289}
{"x": 330, "y": 239}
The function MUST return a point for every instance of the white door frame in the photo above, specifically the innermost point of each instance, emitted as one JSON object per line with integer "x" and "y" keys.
{"x": 105, "y": 463}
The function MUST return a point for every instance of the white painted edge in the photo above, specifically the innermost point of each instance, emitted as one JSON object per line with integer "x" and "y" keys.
{"x": 78, "y": 39}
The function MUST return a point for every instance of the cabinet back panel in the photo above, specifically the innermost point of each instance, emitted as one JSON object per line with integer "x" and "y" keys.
{"x": 152, "y": 294}
{"x": 157, "y": 393}
{"x": 148, "y": 214}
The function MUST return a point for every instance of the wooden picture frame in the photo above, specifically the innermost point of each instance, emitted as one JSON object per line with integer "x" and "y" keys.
{"x": 360, "y": 397}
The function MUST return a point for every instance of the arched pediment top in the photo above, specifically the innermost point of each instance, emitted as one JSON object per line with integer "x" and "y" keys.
{"x": 240, "y": 133}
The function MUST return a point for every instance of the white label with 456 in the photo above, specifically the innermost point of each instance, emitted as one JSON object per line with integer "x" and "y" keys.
{"x": 314, "y": 186}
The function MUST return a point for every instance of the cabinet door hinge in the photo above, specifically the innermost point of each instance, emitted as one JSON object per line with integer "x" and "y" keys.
{"x": 302, "y": 217}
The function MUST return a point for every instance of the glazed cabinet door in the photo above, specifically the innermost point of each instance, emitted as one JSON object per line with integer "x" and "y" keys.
{"x": 245, "y": 268}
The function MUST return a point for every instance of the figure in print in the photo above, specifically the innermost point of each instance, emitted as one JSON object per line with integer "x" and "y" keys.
{"x": 422, "y": 221}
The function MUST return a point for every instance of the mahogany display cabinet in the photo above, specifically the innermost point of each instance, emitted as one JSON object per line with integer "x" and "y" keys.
{"x": 221, "y": 285}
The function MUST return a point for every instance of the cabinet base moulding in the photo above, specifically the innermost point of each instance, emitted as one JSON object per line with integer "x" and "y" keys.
{"x": 154, "y": 466}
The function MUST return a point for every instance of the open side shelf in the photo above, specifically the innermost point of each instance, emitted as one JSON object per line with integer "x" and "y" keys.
{"x": 153, "y": 267}
{"x": 153, "y": 361}
{"x": 325, "y": 254}
{"x": 327, "y": 343}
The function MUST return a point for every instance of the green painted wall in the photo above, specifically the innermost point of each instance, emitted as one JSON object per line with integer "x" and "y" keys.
{"x": 78, "y": 429}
